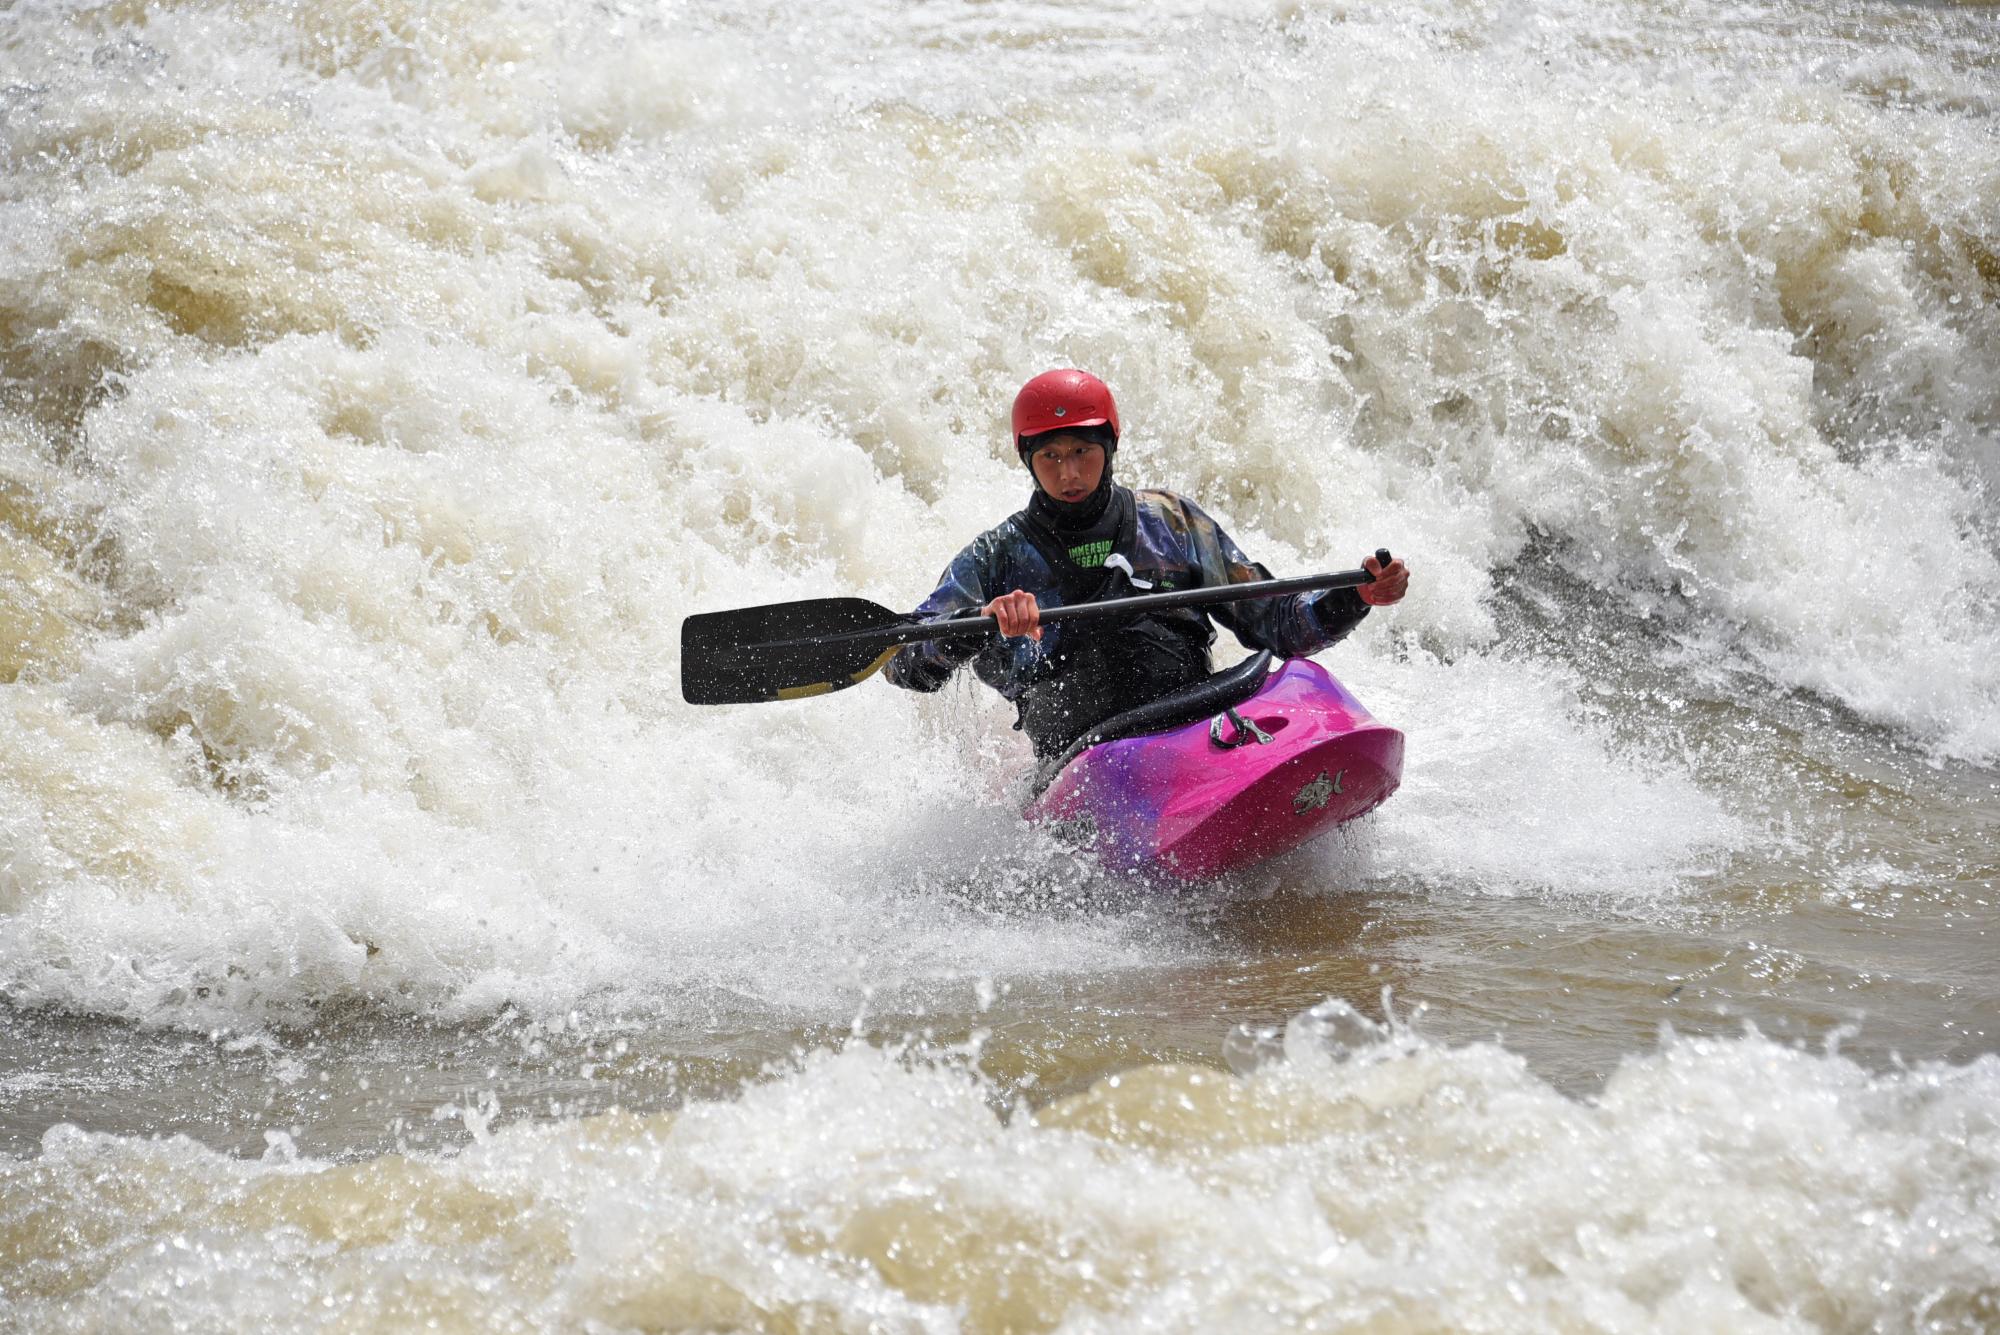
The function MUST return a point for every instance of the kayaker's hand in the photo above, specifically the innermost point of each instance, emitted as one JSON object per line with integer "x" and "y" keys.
{"x": 1017, "y": 613}
{"x": 1392, "y": 581}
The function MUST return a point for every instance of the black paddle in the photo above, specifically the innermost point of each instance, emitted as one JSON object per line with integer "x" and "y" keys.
{"x": 786, "y": 651}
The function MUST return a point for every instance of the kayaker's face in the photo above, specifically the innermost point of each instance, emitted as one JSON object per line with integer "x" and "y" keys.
{"x": 1068, "y": 467}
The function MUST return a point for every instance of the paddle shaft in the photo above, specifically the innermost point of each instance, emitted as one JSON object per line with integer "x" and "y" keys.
{"x": 914, "y": 631}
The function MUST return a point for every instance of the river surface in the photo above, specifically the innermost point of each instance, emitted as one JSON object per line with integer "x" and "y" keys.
{"x": 385, "y": 945}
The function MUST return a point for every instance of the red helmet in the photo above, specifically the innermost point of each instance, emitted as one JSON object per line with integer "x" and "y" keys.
{"x": 1055, "y": 400}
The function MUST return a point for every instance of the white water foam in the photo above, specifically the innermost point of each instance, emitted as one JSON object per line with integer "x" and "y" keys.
{"x": 1511, "y": 786}
{"x": 1367, "y": 1179}
{"x": 443, "y": 375}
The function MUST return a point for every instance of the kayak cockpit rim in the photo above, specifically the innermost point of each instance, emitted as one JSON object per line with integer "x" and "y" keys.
{"x": 1211, "y": 695}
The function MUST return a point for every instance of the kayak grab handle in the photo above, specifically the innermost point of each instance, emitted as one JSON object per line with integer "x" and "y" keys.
{"x": 1246, "y": 731}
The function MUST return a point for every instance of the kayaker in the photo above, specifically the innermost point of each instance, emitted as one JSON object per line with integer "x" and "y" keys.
{"x": 1084, "y": 538}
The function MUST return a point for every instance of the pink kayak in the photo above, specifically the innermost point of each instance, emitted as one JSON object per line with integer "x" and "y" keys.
{"x": 1238, "y": 769}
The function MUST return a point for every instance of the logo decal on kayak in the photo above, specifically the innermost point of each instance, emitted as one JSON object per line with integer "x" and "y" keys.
{"x": 1317, "y": 793}
{"x": 1075, "y": 830}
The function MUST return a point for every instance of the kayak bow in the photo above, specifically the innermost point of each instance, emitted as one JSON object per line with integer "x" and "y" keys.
{"x": 1297, "y": 756}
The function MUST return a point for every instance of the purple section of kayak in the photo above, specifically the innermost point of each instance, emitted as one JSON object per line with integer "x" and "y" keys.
{"x": 1180, "y": 804}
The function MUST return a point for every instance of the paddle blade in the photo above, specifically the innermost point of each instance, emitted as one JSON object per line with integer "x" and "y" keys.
{"x": 783, "y": 651}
